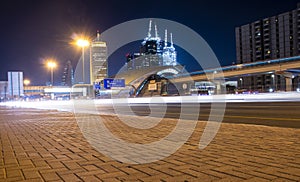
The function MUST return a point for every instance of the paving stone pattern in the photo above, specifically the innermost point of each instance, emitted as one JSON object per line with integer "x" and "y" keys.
{"x": 43, "y": 145}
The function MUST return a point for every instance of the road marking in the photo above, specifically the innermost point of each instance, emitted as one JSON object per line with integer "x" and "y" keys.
{"x": 233, "y": 116}
{"x": 264, "y": 118}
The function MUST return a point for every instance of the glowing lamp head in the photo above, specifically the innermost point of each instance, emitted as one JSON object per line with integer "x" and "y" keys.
{"x": 82, "y": 42}
{"x": 51, "y": 64}
{"x": 26, "y": 82}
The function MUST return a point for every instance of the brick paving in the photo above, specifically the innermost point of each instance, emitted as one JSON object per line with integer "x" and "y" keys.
{"x": 41, "y": 145}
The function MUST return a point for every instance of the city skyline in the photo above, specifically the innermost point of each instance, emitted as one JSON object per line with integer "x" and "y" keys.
{"x": 35, "y": 30}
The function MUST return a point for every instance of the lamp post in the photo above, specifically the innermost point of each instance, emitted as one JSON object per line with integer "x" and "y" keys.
{"x": 273, "y": 80}
{"x": 241, "y": 80}
{"x": 51, "y": 65}
{"x": 83, "y": 42}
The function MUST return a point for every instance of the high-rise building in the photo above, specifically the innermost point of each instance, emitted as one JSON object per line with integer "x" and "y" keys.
{"x": 3, "y": 90}
{"x": 68, "y": 75}
{"x": 153, "y": 52}
{"x": 270, "y": 38}
{"x": 169, "y": 52}
{"x": 15, "y": 84}
{"x": 98, "y": 60}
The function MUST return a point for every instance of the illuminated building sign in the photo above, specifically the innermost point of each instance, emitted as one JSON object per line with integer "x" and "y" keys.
{"x": 169, "y": 70}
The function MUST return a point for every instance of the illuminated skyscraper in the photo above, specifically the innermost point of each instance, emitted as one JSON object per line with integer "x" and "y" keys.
{"x": 169, "y": 53}
{"x": 68, "y": 75}
{"x": 153, "y": 52}
{"x": 98, "y": 60}
{"x": 269, "y": 38}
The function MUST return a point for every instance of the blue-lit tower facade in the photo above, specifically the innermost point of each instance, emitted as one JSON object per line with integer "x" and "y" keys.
{"x": 169, "y": 52}
{"x": 153, "y": 52}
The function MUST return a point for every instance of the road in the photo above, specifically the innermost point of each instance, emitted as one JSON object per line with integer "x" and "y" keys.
{"x": 280, "y": 109}
{"x": 281, "y": 114}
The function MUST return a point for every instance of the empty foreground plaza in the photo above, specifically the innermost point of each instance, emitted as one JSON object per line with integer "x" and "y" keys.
{"x": 47, "y": 145}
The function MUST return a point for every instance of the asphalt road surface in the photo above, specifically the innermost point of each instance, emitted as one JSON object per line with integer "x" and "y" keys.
{"x": 281, "y": 114}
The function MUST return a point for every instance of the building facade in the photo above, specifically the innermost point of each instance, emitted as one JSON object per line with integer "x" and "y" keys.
{"x": 98, "y": 60}
{"x": 3, "y": 90}
{"x": 270, "y": 38}
{"x": 15, "y": 84}
{"x": 153, "y": 52}
{"x": 68, "y": 75}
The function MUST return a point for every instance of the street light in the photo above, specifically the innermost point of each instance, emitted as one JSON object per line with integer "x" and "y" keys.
{"x": 241, "y": 79}
{"x": 83, "y": 42}
{"x": 26, "y": 82}
{"x": 51, "y": 64}
{"x": 273, "y": 82}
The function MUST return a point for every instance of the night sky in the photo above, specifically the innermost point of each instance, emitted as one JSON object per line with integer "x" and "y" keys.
{"x": 33, "y": 30}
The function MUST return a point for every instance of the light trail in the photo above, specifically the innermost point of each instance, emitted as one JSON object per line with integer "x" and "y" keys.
{"x": 68, "y": 105}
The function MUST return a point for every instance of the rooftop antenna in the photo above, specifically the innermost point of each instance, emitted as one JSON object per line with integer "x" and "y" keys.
{"x": 149, "y": 31}
{"x": 166, "y": 38}
{"x": 156, "y": 33}
{"x": 171, "y": 40}
{"x": 98, "y": 35}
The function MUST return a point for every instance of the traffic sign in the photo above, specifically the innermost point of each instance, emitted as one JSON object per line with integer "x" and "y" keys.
{"x": 97, "y": 86}
{"x": 109, "y": 83}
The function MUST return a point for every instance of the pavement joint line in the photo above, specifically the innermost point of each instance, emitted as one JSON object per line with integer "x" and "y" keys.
{"x": 186, "y": 172}
{"x": 283, "y": 172}
{"x": 230, "y": 174}
{"x": 209, "y": 174}
{"x": 275, "y": 175}
{"x": 164, "y": 171}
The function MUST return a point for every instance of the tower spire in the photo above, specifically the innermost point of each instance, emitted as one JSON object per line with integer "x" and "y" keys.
{"x": 156, "y": 33}
{"x": 98, "y": 35}
{"x": 171, "y": 40}
{"x": 149, "y": 31}
{"x": 166, "y": 38}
